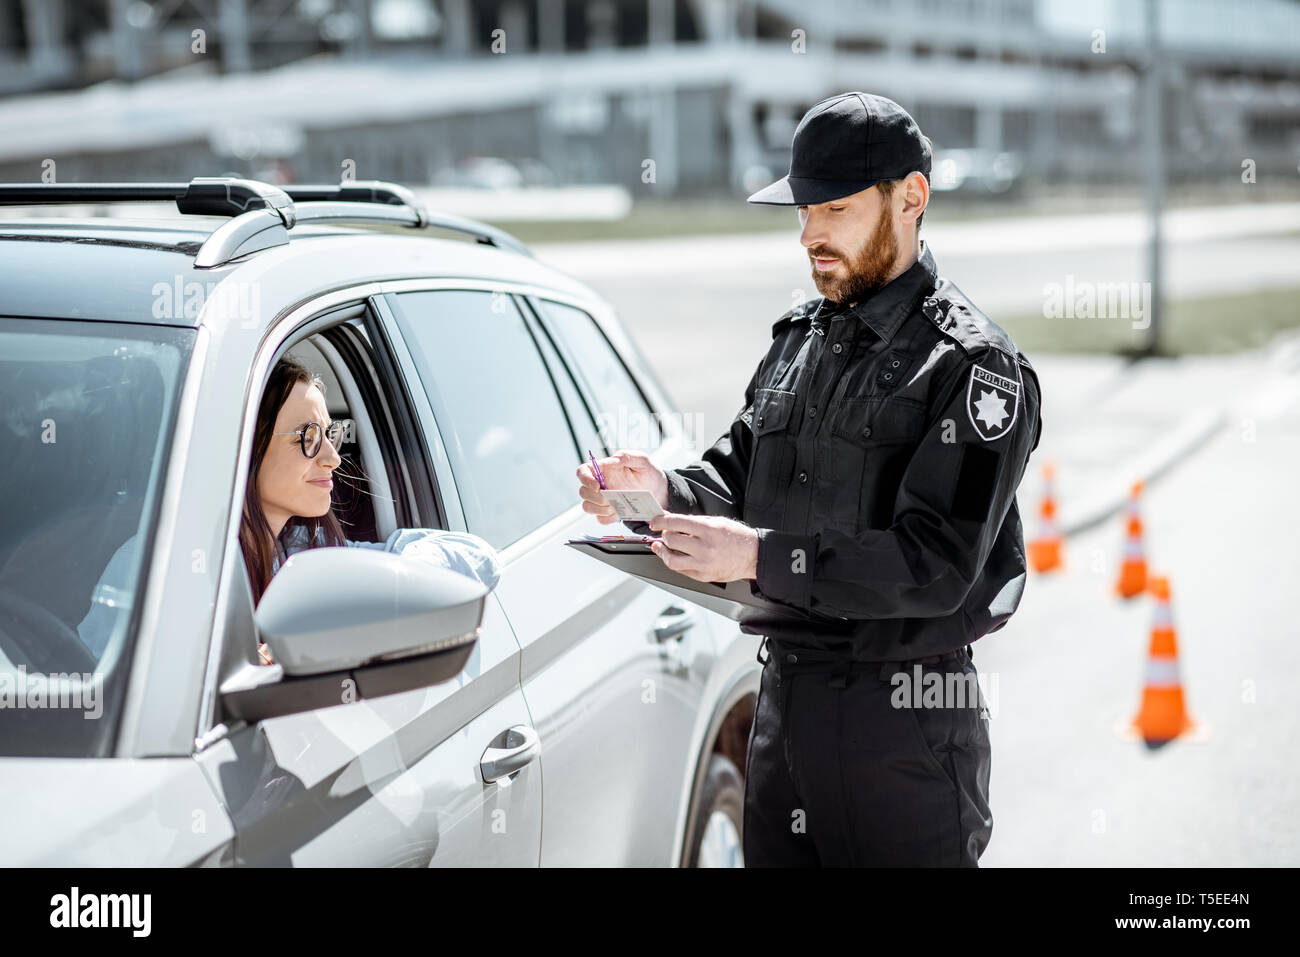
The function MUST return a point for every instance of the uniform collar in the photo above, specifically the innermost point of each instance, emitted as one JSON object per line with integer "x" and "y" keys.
{"x": 884, "y": 311}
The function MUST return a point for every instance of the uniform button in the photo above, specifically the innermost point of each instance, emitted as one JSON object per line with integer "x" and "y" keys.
{"x": 866, "y": 432}
{"x": 812, "y": 410}
{"x": 760, "y": 420}
{"x": 896, "y": 363}
{"x": 803, "y": 478}
{"x": 887, "y": 376}
{"x": 837, "y": 348}
{"x": 792, "y": 658}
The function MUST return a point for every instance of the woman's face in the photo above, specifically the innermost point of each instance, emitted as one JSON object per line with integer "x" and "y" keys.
{"x": 289, "y": 483}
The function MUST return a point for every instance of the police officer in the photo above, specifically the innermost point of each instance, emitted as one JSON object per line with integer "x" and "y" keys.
{"x": 869, "y": 484}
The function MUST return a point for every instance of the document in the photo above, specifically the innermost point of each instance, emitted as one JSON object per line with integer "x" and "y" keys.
{"x": 632, "y": 504}
{"x": 632, "y": 554}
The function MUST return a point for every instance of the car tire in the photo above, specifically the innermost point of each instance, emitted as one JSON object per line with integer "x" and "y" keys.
{"x": 719, "y": 817}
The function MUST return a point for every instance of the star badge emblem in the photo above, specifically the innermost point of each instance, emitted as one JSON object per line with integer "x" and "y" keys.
{"x": 992, "y": 409}
{"x": 991, "y": 403}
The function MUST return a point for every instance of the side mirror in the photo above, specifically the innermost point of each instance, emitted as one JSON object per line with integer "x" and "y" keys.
{"x": 345, "y": 624}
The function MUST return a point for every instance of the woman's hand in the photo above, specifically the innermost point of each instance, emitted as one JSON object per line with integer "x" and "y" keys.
{"x": 264, "y": 653}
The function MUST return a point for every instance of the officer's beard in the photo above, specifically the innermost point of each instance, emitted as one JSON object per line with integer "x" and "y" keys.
{"x": 865, "y": 272}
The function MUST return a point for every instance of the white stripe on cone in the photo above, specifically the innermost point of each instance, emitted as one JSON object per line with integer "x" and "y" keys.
{"x": 1162, "y": 672}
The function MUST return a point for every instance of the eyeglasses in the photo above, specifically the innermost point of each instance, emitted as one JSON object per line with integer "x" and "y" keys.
{"x": 309, "y": 436}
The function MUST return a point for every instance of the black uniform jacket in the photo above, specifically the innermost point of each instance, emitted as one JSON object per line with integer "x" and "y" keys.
{"x": 878, "y": 455}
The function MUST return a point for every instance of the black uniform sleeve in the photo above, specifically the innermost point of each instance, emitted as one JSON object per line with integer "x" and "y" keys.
{"x": 950, "y": 505}
{"x": 716, "y": 484}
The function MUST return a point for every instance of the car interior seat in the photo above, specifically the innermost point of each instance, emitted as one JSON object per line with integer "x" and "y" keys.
{"x": 70, "y": 503}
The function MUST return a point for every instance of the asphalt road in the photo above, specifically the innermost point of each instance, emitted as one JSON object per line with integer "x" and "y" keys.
{"x": 1066, "y": 789}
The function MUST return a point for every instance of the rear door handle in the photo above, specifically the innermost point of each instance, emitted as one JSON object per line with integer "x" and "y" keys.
{"x": 521, "y": 747}
{"x": 673, "y": 622}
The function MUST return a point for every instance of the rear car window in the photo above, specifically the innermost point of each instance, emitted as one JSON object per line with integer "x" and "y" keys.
{"x": 86, "y": 411}
{"x": 622, "y": 414}
{"x": 511, "y": 446}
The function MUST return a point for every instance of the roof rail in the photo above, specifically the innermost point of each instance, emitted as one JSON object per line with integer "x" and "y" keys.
{"x": 201, "y": 196}
{"x": 356, "y": 191}
{"x": 263, "y": 213}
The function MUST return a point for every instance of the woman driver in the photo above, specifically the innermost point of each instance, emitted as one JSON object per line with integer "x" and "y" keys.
{"x": 287, "y": 503}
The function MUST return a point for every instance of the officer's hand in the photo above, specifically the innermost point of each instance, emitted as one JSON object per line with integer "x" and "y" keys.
{"x": 622, "y": 470}
{"x": 707, "y": 548}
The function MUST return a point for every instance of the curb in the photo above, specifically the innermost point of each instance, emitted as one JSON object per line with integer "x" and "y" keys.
{"x": 1189, "y": 436}
{"x": 1283, "y": 358}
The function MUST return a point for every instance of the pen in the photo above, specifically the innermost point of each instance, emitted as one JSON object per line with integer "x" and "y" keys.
{"x": 641, "y": 528}
{"x": 596, "y": 468}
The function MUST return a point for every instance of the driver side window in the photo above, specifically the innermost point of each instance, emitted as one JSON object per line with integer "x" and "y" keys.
{"x": 368, "y": 481}
{"x": 329, "y": 378}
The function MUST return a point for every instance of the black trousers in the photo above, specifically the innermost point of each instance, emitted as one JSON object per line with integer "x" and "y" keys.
{"x": 864, "y": 767}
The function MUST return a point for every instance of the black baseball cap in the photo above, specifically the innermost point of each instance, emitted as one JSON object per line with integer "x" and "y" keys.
{"x": 845, "y": 144}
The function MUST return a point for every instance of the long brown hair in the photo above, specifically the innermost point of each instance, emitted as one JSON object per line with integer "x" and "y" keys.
{"x": 260, "y": 547}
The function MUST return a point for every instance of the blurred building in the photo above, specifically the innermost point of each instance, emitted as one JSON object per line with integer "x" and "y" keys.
{"x": 666, "y": 97}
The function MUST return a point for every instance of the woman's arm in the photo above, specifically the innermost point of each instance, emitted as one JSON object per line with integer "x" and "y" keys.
{"x": 459, "y": 551}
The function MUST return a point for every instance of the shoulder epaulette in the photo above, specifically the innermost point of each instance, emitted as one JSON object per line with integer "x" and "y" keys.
{"x": 961, "y": 320}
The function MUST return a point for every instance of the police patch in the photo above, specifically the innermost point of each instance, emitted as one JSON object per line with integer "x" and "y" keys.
{"x": 991, "y": 402}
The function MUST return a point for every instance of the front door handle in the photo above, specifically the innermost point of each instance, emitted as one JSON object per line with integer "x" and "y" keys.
{"x": 673, "y": 622}
{"x": 509, "y": 753}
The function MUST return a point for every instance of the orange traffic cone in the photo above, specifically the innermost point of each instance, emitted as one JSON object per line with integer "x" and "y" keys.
{"x": 1133, "y": 567}
{"x": 1162, "y": 716}
{"x": 1045, "y": 550}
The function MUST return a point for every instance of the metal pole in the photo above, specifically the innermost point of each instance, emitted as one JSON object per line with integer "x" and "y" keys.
{"x": 664, "y": 145}
{"x": 1153, "y": 128}
{"x": 236, "y": 44}
{"x": 126, "y": 46}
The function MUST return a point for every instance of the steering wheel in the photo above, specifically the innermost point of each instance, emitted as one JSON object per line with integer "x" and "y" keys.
{"x": 32, "y": 635}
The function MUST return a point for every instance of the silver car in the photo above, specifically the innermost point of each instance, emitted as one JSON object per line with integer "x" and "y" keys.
{"x": 572, "y": 716}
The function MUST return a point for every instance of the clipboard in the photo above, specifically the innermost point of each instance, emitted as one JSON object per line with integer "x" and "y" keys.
{"x": 733, "y": 599}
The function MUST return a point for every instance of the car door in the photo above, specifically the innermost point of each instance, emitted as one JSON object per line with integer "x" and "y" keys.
{"x": 394, "y": 780}
{"x": 612, "y": 668}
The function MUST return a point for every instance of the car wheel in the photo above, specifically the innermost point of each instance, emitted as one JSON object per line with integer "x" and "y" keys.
{"x": 719, "y": 817}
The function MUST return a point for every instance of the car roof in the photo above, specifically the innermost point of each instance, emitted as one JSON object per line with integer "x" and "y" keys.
{"x": 86, "y": 269}
{"x": 110, "y": 269}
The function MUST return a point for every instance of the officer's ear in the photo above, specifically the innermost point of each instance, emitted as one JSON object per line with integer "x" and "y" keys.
{"x": 915, "y": 197}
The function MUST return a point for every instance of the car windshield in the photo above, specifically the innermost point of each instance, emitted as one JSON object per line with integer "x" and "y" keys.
{"x": 86, "y": 411}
